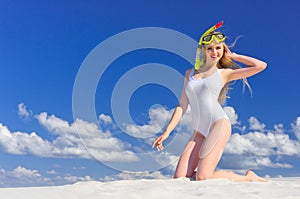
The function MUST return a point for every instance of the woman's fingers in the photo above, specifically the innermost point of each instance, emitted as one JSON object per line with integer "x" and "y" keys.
{"x": 155, "y": 143}
{"x": 158, "y": 144}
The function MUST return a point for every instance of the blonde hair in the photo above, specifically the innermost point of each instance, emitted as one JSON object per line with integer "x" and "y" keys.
{"x": 226, "y": 62}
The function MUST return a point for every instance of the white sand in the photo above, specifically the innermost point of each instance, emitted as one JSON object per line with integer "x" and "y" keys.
{"x": 145, "y": 189}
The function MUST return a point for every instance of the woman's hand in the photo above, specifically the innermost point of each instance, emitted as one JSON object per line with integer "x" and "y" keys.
{"x": 231, "y": 55}
{"x": 159, "y": 142}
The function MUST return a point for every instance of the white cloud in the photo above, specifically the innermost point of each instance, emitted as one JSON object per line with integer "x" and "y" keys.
{"x": 23, "y": 112}
{"x": 21, "y": 176}
{"x": 73, "y": 179}
{"x": 55, "y": 125}
{"x": 158, "y": 118}
{"x": 261, "y": 144}
{"x": 166, "y": 158}
{"x": 136, "y": 175}
{"x": 23, "y": 172}
{"x": 253, "y": 148}
{"x": 105, "y": 118}
{"x": 296, "y": 128}
{"x": 279, "y": 128}
{"x": 68, "y": 143}
{"x": 72, "y": 137}
{"x": 238, "y": 162}
{"x": 256, "y": 125}
{"x": 23, "y": 143}
{"x": 230, "y": 112}
{"x": 51, "y": 172}
{"x": 24, "y": 177}
{"x": 185, "y": 124}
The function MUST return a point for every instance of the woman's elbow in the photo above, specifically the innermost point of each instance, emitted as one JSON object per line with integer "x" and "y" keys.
{"x": 263, "y": 65}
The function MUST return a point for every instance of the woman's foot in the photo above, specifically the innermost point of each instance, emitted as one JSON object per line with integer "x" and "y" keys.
{"x": 253, "y": 177}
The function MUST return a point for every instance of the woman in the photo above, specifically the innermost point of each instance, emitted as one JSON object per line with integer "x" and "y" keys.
{"x": 204, "y": 90}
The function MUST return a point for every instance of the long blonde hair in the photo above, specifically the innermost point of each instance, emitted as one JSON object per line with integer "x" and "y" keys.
{"x": 226, "y": 62}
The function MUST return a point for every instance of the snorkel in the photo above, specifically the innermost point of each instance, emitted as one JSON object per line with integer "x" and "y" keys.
{"x": 198, "y": 61}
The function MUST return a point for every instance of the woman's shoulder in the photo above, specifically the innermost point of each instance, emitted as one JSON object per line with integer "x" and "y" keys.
{"x": 225, "y": 70}
{"x": 188, "y": 71}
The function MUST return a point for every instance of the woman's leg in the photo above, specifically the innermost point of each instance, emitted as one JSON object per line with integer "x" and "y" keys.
{"x": 249, "y": 176}
{"x": 208, "y": 163}
{"x": 189, "y": 159}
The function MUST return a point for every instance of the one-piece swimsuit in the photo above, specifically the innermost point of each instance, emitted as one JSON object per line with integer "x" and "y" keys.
{"x": 203, "y": 96}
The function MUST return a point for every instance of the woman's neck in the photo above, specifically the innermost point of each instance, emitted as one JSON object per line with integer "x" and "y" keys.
{"x": 208, "y": 67}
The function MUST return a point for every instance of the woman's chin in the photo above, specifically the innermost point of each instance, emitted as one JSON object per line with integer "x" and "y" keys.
{"x": 214, "y": 60}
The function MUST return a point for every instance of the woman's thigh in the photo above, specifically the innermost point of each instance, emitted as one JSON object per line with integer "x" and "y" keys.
{"x": 212, "y": 149}
{"x": 189, "y": 159}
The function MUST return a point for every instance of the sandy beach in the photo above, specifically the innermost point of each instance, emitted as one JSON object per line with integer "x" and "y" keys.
{"x": 286, "y": 188}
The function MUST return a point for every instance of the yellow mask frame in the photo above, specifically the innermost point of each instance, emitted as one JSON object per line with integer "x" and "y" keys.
{"x": 219, "y": 37}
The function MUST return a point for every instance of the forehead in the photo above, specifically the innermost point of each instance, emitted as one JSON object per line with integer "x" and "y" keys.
{"x": 214, "y": 44}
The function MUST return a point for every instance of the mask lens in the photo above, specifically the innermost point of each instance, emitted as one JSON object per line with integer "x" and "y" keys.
{"x": 220, "y": 36}
{"x": 207, "y": 38}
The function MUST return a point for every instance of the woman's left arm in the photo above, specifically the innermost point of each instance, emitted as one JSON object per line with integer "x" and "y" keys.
{"x": 254, "y": 66}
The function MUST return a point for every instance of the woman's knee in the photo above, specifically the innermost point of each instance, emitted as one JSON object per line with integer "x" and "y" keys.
{"x": 203, "y": 175}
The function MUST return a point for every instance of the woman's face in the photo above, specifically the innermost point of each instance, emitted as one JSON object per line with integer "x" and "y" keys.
{"x": 214, "y": 52}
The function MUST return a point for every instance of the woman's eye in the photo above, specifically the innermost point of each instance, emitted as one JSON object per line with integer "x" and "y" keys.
{"x": 209, "y": 48}
{"x": 218, "y": 48}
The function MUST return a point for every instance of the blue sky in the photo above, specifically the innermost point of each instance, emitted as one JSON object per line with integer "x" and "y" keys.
{"x": 43, "y": 45}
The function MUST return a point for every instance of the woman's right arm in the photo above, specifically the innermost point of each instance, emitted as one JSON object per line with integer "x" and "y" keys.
{"x": 177, "y": 115}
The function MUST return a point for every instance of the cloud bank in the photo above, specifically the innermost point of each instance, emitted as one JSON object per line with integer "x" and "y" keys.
{"x": 257, "y": 142}
{"x": 251, "y": 146}
{"x": 24, "y": 177}
{"x": 67, "y": 142}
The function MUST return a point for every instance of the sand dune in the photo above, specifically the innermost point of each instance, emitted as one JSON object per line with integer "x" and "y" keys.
{"x": 286, "y": 188}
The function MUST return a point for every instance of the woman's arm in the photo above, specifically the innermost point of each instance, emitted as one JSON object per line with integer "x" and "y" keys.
{"x": 177, "y": 115}
{"x": 254, "y": 66}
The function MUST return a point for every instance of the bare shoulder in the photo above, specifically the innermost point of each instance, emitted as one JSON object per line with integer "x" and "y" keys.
{"x": 226, "y": 71}
{"x": 187, "y": 72}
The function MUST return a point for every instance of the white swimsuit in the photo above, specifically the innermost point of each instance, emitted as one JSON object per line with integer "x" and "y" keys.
{"x": 203, "y": 98}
